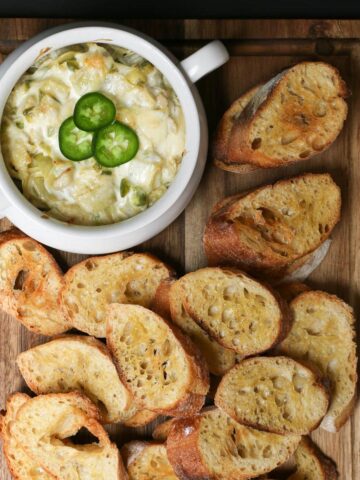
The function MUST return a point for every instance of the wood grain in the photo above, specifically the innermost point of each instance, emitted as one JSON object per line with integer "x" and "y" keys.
{"x": 258, "y": 48}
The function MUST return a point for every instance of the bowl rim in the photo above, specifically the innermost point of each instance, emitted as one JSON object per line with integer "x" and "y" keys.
{"x": 101, "y": 32}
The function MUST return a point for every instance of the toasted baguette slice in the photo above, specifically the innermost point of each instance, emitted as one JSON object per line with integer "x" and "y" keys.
{"x": 275, "y": 394}
{"x": 323, "y": 333}
{"x": 268, "y": 230}
{"x": 141, "y": 418}
{"x": 218, "y": 358}
{"x": 30, "y": 284}
{"x": 220, "y": 144}
{"x": 296, "y": 115}
{"x": 312, "y": 464}
{"x": 79, "y": 363}
{"x": 43, "y": 426}
{"x": 147, "y": 461}
{"x": 94, "y": 283}
{"x": 239, "y": 312}
{"x": 213, "y": 446}
{"x": 159, "y": 365}
{"x": 20, "y": 465}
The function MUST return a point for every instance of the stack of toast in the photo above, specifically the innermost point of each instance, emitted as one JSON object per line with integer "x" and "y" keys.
{"x": 244, "y": 361}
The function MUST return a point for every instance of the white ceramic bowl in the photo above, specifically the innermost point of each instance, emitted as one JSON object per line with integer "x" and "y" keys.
{"x": 181, "y": 75}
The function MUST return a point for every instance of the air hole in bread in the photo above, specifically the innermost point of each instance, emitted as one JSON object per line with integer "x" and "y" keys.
{"x": 80, "y": 285}
{"x": 29, "y": 246}
{"x": 287, "y": 414}
{"x": 279, "y": 382}
{"x": 20, "y": 280}
{"x": 318, "y": 144}
{"x": 256, "y": 143}
{"x": 131, "y": 289}
{"x": 299, "y": 383}
{"x": 241, "y": 449}
{"x": 228, "y": 315}
{"x": 233, "y": 325}
{"x": 304, "y": 154}
{"x": 301, "y": 119}
{"x": 90, "y": 265}
{"x": 213, "y": 310}
{"x": 99, "y": 290}
{"x": 267, "y": 452}
{"x": 206, "y": 293}
{"x": 73, "y": 307}
{"x": 82, "y": 437}
{"x": 319, "y": 109}
{"x": 288, "y": 138}
{"x": 281, "y": 399}
{"x": 314, "y": 331}
{"x": 229, "y": 292}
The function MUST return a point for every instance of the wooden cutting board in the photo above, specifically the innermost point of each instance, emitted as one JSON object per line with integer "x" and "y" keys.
{"x": 259, "y": 49}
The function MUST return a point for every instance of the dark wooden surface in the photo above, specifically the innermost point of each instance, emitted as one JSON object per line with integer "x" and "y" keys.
{"x": 259, "y": 49}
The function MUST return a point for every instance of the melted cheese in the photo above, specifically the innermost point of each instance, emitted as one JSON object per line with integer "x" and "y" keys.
{"x": 83, "y": 192}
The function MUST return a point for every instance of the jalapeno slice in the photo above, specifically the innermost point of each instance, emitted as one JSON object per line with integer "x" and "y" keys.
{"x": 75, "y": 144}
{"x": 115, "y": 144}
{"x": 93, "y": 111}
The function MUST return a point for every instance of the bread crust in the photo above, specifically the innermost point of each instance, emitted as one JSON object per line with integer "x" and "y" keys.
{"x": 161, "y": 303}
{"x": 220, "y": 144}
{"x": 35, "y": 285}
{"x": 223, "y": 246}
{"x": 183, "y": 452}
{"x": 240, "y": 149}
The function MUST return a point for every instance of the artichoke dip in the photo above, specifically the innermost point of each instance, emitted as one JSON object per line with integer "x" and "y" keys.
{"x": 86, "y": 192}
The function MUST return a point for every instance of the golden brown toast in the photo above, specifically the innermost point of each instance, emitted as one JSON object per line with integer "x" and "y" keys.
{"x": 296, "y": 115}
{"x": 271, "y": 230}
{"x": 30, "y": 284}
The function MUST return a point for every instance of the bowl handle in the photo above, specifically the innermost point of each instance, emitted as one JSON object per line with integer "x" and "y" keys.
{"x": 205, "y": 60}
{"x": 4, "y": 205}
